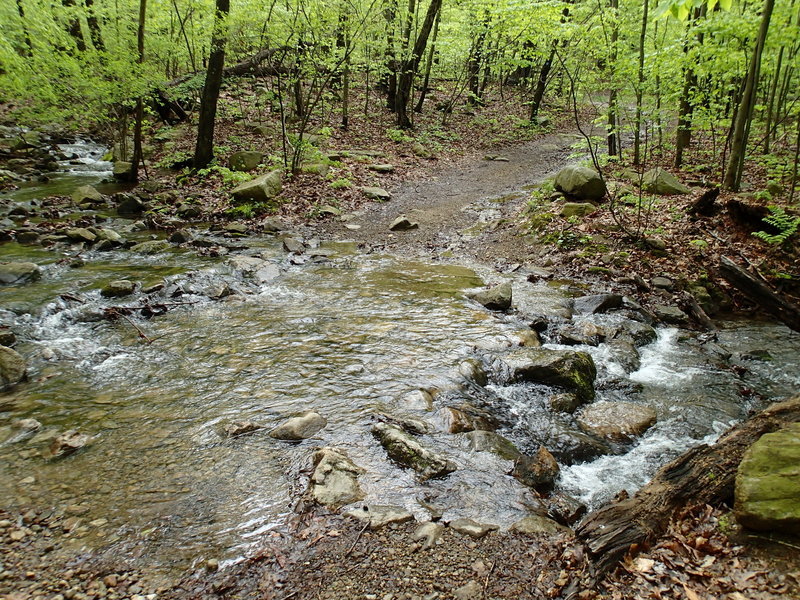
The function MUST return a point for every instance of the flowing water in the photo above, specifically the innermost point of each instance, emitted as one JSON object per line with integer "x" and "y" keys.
{"x": 346, "y": 334}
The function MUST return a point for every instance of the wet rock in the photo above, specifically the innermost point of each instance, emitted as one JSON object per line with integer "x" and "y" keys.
{"x": 239, "y": 428}
{"x": 111, "y": 236}
{"x": 246, "y": 160}
{"x": 186, "y": 210}
{"x": 473, "y": 370}
{"x": 151, "y": 247}
{"x": 625, "y": 353}
{"x": 671, "y": 314}
{"x": 380, "y": 516}
{"x": 409, "y": 424}
{"x": 86, "y": 194}
{"x": 472, "y": 528}
{"x": 80, "y": 234}
{"x": 12, "y": 367}
{"x": 179, "y": 237}
{"x": 408, "y": 452}
{"x": 453, "y": 420}
{"x": 416, "y": 400}
{"x": 489, "y": 441}
{"x": 538, "y": 471}
{"x": 597, "y": 303}
{"x": 574, "y": 371}
{"x": 528, "y": 338}
{"x": 272, "y": 225}
{"x": 428, "y": 533}
{"x": 565, "y": 509}
{"x": 572, "y": 446}
{"x": 498, "y": 297}
{"x": 293, "y": 245}
{"x": 18, "y": 272}
{"x": 246, "y": 264}
{"x": 27, "y": 237}
{"x": 260, "y": 189}
{"x": 537, "y": 525}
{"x": 639, "y": 334}
{"x": 301, "y": 427}
{"x": 663, "y": 283}
{"x": 577, "y": 209}
{"x": 236, "y": 228}
{"x": 768, "y": 483}
{"x": 564, "y": 402}
{"x": 402, "y": 223}
{"x": 7, "y": 337}
{"x": 585, "y": 333}
{"x": 68, "y": 443}
{"x": 266, "y": 273}
{"x": 617, "y": 421}
{"x": 376, "y": 193}
{"x": 334, "y": 481}
{"x": 117, "y": 289}
{"x": 580, "y": 182}
{"x": 664, "y": 183}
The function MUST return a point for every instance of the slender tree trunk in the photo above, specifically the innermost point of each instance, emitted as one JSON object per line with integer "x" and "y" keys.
{"x": 612, "y": 94}
{"x": 683, "y": 137}
{"x": 410, "y": 65}
{"x": 182, "y": 22}
{"x": 637, "y": 132}
{"x": 137, "y": 127}
{"x": 775, "y": 88}
{"x": 388, "y": 80}
{"x": 541, "y": 84}
{"x": 474, "y": 65}
{"x": 204, "y": 150}
{"x": 733, "y": 175}
{"x": 346, "y": 73}
{"x": 429, "y": 64}
{"x": 28, "y": 43}
{"x": 94, "y": 26}
{"x": 795, "y": 165}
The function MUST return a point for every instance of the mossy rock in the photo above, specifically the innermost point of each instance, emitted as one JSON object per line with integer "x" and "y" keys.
{"x": 573, "y": 371}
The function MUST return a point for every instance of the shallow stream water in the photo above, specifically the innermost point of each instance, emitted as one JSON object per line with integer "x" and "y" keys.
{"x": 344, "y": 333}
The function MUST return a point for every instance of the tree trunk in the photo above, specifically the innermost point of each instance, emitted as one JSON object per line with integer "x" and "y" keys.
{"x": 541, "y": 84}
{"x": 612, "y": 94}
{"x": 204, "y": 150}
{"x": 74, "y": 25}
{"x": 388, "y": 80}
{"x": 683, "y": 137}
{"x": 474, "y": 67}
{"x": 637, "y": 131}
{"x": 28, "y": 43}
{"x": 410, "y": 65}
{"x": 137, "y": 127}
{"x": 429, "y": 64}
{"x": 704, "y": 475}
{"x": 733, "y": 175}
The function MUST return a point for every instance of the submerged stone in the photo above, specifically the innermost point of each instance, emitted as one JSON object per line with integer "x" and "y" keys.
{"x": 68, "y": 443}
{"x": 18, "y": 272}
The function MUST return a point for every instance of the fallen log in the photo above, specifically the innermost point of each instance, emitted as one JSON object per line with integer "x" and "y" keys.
{"x": 252, "y": 65}
{"x": 704, "y": 475}
{"x": 705, "y": 205}
{"x": 760, "y": 293}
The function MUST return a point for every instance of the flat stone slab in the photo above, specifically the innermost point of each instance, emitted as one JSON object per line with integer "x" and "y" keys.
{"x": 376, "y": 193}
{"x": 472, "y": 528}
{"x": 380, "y": 515}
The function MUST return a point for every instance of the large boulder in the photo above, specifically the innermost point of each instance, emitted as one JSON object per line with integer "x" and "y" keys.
{"x": 260, "y": 189}
{"x": 334, "y": 480}
{"x": 117, "y": 289}
{"x": 80, "y": 235}
{"x": 617, "y": 421}
{"x": 580, "y": 182}
{"x": 408, "y": 452}
{"x": 246, "y": 160}
{"x": 86, "y": 194}
{"x": 18, "y": 272}
{"x": 498, "y": 297}
{"x": 538, "y": 471}
{"x": 300, "y": 427}
{"x": 664, "y": 183}
{"x": 12, "y": 367}
{"x": 122, "y": 170}
{"x": 573, "y": 371}
{"x": 597, "y": 303}
{"x": 768, "y": 483}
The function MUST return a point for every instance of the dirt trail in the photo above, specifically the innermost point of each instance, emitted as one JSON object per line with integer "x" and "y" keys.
{"x": 464, "y": 211}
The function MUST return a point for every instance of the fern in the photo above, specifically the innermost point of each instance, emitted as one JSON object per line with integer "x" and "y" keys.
{"x": 786, "y": 225}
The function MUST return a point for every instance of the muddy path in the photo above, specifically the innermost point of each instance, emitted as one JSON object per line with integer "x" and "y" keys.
{"x": 467, "y": 211}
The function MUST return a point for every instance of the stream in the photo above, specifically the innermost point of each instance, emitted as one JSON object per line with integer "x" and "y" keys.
{"x": 347, "y": 334}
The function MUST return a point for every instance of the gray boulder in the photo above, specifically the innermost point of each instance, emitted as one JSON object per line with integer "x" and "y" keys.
{"x": 664, "y": 183}
{"x": 580, "y": 182}
{"x": 80, "y": 234}
{"x": 260, "y": 189}
{"x": 489, "y": 441}
{"x": 767, "y": 496}
{"x": 537, "y": 525}
{"x": 18, "y": 272}
{"x": 122, "y": 170}
{"x": 86, "y": 194}
{"x": 376, "y": 193}
{"x": 671, "y": 314}
{"x": 617, "y": 421}
{"x": 246, "y": 160}
{"x": 402, "y": 223}
{"x": 129, "y": 205}
{"x": 408, "y": 452}
{"x": 597, "y": 303}
{"x": 577, "y": 209}
{"x": 300, "y": 427}
{"x": 538, "y": 471}
{"x": 12, "y": 367}
{"x": 334, "y": 480}
{"x": 152, "y": 247}
{"x": 573, "y": 371}
{"x": 498, "y": 297}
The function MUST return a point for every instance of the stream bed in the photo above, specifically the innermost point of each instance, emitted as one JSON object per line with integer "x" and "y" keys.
{"x": 348, "y": 334}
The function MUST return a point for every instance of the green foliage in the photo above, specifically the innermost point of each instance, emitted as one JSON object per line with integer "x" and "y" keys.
{"x": 251, "y": 210}
{"x": 229, "y": 178}
{"x": 398, "y": 136}
{"x": 342, "y": 183}
{"x": 786, "y": 225}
